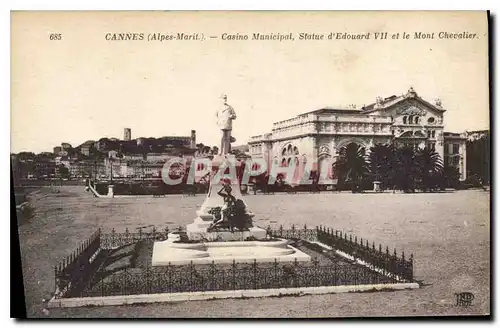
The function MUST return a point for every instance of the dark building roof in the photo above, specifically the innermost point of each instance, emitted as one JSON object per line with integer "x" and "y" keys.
{"x": 329, "y": 110}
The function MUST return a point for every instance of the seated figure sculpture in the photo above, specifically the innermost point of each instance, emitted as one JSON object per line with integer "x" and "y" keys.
{"x": 232, "y": 214}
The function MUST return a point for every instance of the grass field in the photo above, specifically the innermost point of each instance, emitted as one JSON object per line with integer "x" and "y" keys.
{"x": 448, "y": 233}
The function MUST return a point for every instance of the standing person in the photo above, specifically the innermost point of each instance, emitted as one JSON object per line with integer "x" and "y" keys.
{"x": 225, "y": 116}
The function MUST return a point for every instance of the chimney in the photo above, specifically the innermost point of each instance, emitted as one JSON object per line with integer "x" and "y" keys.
{"x": 193, "y": 139}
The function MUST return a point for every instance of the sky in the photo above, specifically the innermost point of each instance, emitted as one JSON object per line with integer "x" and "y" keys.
{"x": 84, "y": 87}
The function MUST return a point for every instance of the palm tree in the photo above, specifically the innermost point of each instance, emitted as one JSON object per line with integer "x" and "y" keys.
{"x": 380, "y": 163}
{"x": 450, "y": 177}
{"x": 404, "y": 169}
{"x": 351, "y": 165}
{"x": 429, "y": 167}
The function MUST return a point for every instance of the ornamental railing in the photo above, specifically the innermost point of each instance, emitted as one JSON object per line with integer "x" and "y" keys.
{"x": 389, "y": 264}
{"x": 113, "y": 239}
{"x": 377, "y": 258}
{"x": 373, "y": 266}
{"x": 295, "y": 233}
{"x": 235, "y": 276}
{"x": 75, "y": 269}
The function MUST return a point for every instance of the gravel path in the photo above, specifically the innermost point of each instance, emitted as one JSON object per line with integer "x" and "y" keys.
{"x": 448, "y": 233}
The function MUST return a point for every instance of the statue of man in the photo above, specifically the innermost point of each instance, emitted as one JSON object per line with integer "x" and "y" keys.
{"x": 225, "y": 116}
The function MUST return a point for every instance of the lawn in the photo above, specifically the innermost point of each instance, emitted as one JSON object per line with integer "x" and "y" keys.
{"x": 448, "y": 233}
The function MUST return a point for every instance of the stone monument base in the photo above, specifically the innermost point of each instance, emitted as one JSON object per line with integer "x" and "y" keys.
{"x": 199, "y": 232}
{"x": 176, "y": 253}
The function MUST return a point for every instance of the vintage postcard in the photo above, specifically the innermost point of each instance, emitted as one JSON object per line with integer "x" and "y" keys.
{"x": 251, "y": 164}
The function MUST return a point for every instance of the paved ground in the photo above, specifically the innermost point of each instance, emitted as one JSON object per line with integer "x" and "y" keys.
{"x": 448, "y": 234}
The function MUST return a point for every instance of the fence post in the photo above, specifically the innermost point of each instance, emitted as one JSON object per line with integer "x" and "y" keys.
{"x": 127, "y": 235}
{"x": 387, "y": 259}
{"x": 55, "y": 277}
{"x": 170, "y": 276}
{"x": 148, "y": 279}
{"x": 233, "y": 269}
{"x": 254, "y": 267}
{"x": 212, "y": 275}
{"x": 113, "y": 238}
{"x": 125, "y": 285}
{"x": 315, "y": 276}
{"x": 295, "y": 273}
{"x": 411, "y": 267}
{"x": 402, "y": 265}
{"x": 275, "y": 280}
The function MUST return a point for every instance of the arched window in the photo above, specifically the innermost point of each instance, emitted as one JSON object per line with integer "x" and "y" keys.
{"x": 295, "y": 151}
{"x": 288, "y": 162}
{"x": 410, "y": 120}
{"x": 416, "y": 119}
{"x": 283, "y": 152}
{"x": 433, "y": 134}
{"x": 404, "y": 119}
{"x": 283, "y": 162}
{"x": 289, "y": 150}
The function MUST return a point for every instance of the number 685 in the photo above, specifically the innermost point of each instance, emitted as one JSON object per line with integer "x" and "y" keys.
{"x": 53, "y": 36}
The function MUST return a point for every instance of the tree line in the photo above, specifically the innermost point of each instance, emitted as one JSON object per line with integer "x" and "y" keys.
{"x": 398, "y": 168}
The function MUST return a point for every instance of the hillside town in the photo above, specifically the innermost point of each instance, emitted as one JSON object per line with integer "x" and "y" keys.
{"x": 111, "y": 158}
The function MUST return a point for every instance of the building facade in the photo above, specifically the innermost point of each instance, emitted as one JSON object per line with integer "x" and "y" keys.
{"x": 320, "y": 134}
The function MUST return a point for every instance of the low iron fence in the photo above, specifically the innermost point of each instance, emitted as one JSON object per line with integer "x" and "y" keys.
{"x": 294, "y": 233}
{"x": 390, "y": 264}
{"x": 382, "y": 267}
{"x": 75, "y": 269}
{"x": 378, "y": 259}
{"x": 235, "y": 276}
{"x": 113, "y": 239}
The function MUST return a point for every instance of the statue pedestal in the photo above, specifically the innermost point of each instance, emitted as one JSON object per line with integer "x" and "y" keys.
{"x": 169, "y": 252}
{"x": 198, "y": 229}
{"x": 195, "y": 232}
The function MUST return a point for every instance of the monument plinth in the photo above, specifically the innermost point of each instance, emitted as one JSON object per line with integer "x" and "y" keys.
{"x": 214, "y": 202}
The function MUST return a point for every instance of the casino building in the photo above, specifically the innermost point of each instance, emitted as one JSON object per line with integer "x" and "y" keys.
{"x": 320, "y": 134}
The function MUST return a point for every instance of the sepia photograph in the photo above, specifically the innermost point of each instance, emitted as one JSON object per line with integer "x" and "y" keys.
{"x": 250, "y": 164}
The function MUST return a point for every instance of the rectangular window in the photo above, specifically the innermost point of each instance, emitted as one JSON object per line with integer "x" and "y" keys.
{"x": 456, "y": 148}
